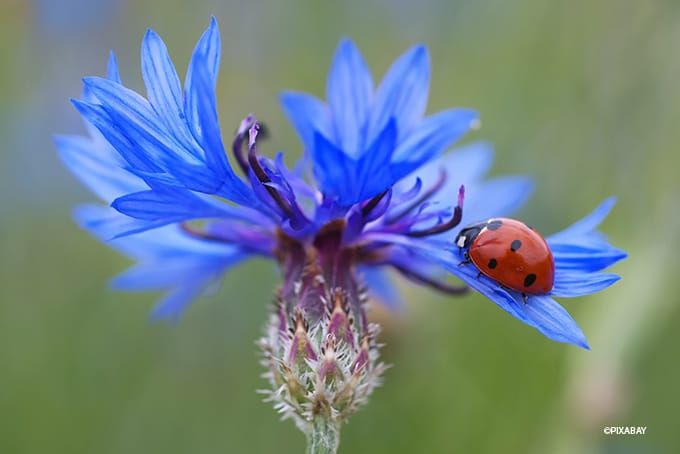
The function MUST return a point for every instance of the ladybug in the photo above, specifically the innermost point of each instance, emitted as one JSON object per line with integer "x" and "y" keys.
{"x": 511, "y": 253}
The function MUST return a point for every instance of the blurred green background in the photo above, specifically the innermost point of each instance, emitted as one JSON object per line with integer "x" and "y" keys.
{"x": 581, "y": 94}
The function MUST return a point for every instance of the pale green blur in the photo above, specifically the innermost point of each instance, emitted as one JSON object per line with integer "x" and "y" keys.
{"x": 581, "y": 94}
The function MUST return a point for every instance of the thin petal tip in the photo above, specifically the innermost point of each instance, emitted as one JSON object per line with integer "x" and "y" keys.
{"x": 213, "y": 24}
{"x": 346, "y": 43}
{"x": 149, "y": 35}
{"x": 93, "y": 82}
{"x": 606, "y": 206}
{"x": 81, "y": 106}
{"x": 420, "y": 51}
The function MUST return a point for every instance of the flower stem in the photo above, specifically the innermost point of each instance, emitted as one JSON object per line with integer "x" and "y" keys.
{"x": 323, "y": 437}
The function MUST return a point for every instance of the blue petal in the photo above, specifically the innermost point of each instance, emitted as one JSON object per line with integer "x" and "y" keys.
{"x": 207, "y": 52}
{"x": 113, "y": 75}
{"x": 586, "y": 226}
{"x": 503, "y": 298}
{"x": 163, "y": 87}
{"x": 112, "y": 69}
{"x": 135, "y": 117}
{"x": 434, "y": 134}
{"x": 309, "y": 117}
{"x": 402, "y": 93}
{"x": 349, "y": 181}
{"x": 541, "y": 312}
{"x": 165, "y": 204}
{"x": 572, "y": 284}
{"x": 168, "y": 272}
{"x": 170, "y": 205}
{"x": 500, "y": 196}
{"x": 232, "y": 187}
{"x": 100, "y": 119}
{"x": 209, "y": 49}
{"x": 349, "y": 91}
{"x": 173, "y": 305}
{"x": 196, "y": 177}
{"x": 106, "y": 223}
{"x": 147, "y": 144}
{"x": 382, "y": 288}
{"x": 463, "y": 165}
{"x": 170, "y": 259}
{"x": 100, "y": 168}
{"x": 192, "y": 276}
{"x": 554, "y": 321}
{"x": 581, "y": 247}
{"x": 161, "y": 275}
{"x": 584, "y": 258}
{"x": 467, "y": 165}
{"x": 333, "y": 169}
{"x": 374, "y": 174}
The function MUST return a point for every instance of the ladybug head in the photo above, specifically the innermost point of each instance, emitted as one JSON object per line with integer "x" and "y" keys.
{"x": 467, "y": 235}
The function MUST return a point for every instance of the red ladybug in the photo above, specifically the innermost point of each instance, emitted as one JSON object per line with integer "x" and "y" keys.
{"x": 511, "y": 253}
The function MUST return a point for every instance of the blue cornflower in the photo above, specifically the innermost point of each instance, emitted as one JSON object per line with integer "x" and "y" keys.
{"x": 384, "y": 195}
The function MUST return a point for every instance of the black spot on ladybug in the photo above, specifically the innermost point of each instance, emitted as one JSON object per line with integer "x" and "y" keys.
{"x": 529, "y": 280}
{"x": 515, "y": 245}
{"x": 494, "y": 225}
{"x": 493, "y": 263}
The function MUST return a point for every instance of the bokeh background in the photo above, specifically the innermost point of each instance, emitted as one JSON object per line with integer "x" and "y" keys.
{"x": 583, "y": 95}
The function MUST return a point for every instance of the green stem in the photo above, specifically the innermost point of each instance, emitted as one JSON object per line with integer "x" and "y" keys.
{"x": 323, "y": 437}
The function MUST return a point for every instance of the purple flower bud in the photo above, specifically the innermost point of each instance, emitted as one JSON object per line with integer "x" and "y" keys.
{"x": 321, "y": 363}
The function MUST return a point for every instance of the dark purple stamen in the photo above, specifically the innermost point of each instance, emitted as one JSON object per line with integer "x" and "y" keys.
{"x": 371, "y": 204}
{"x": 437, "y": 285}
{"x": 237, "y": 144}
{"x": 420, "y": 200}
{"x": 261, "y": 175}
{"x": 255, "y": 240}
{"x": 446, "y": 226}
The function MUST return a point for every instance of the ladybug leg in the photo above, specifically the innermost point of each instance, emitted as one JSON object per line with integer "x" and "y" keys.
{"x": 507, "y": 289}
{"x": 525, "y": 298}
{"x": 467, "y": 259}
